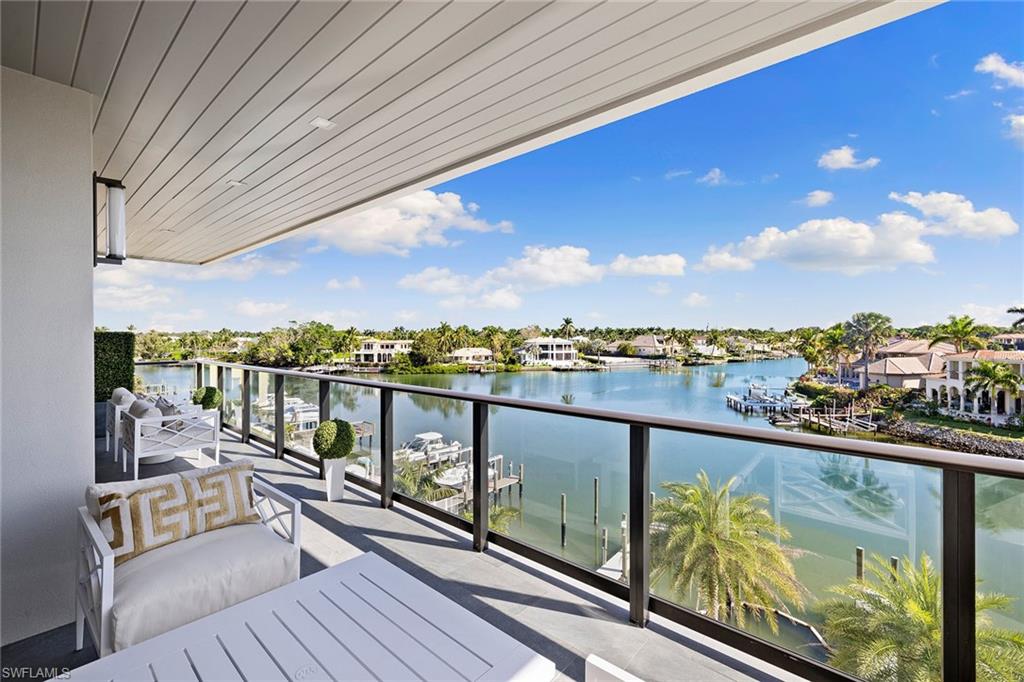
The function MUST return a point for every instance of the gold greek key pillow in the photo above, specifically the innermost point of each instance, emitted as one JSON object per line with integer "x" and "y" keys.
{"x": 179, "y": 507}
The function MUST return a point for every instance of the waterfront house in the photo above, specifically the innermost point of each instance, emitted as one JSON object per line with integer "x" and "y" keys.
{"x": 215, "y": 117}
{"x": 701, "y": 346}
{"x": 471, "y": 356}
{"x": 381, "y": 352}
{"x": 900, "y": 370}
{"x": 949, "y": 390}
{"x": 548, "y": 350}
{"x": 649, "y": 345}
{"x": 1011, "y": 341}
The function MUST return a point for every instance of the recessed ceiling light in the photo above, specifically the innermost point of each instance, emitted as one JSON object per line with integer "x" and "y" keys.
{"x": 323, "y": 123}
{"x": 235, "y": 183}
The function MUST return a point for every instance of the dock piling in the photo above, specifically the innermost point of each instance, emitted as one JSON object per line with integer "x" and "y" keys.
{"x": 563, "y": 519}
{"x": 860, "y": 563}
{"x": 597, "y": 497}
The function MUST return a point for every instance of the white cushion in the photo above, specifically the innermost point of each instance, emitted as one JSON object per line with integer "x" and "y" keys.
{"x": 122, "y": 397}
{"x": 186, "y": 580}
{"x": 140, "y": 407}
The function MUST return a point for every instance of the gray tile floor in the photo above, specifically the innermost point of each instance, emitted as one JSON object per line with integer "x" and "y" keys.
{"x": 560, "y": 618}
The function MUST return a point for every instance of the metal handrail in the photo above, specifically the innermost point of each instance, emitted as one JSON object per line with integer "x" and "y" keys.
{"x": 907, "y": 454}
{"x": 958, "y": 471}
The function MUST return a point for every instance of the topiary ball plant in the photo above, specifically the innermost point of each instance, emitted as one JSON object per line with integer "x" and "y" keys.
{"x": 334, "y": 439}
{"x": 209, "y": 397}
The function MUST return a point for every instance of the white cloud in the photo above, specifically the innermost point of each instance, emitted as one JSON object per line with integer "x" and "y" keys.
{"x": 132, "y": 297}
{"x": 959, "y": 93}
{"x": 434, "y": 280}
{"x": 663, "y": 265}
{"x": 845, "y": 157}
{"x": 695, "y": 300}
{"x": 543, "y": 268}
{"x": 953, "y": 214}
{"x": 504, "y": 298}
{"x": 723, "y": 259}
{"x": 334, "y": 317}
{"x": 421, "y": 219}
{"x": 1008, "y": 73}
{"x": 250, "y": 308}
{"x": 660, "y": 289}
{"x": 176, "y": 321}
{"x": 352, "y": 282}
{"x": 835, "y": 244}
{"x": 818, "y": 197}
{"x": 1016, "y": 127}
{"x": 405, "y": 316}
{"x": 989, "y": 314}
{"x": 714, "y": 178}
{"x": 672, "y": 174}
{"x": 770, "y": 177}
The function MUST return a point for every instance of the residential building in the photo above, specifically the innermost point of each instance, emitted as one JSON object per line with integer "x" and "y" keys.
{"x": 898, "y": 372}
{"x": 379, "y": 352}
{"x": 701, "y": 346}
{"x": 548, "y": 350}
{"x": 649, "y": 345}
{"x": 1011, "y": 341}
{"x": 951, "y": 393}
{"x": 471, "y": 356}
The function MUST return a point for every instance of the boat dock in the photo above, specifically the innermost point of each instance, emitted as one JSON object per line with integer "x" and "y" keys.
{"x": 496, "y": 485}
{"x": 836, "y": 421}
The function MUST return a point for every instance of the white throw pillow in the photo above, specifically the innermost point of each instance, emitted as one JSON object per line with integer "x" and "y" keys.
{"x": 122, "y": 397}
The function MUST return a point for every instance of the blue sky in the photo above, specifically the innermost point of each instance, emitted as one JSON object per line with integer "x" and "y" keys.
{"x": 885, "y": 172}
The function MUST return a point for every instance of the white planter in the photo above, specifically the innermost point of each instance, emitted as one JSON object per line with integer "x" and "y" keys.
{"x": 334, "y": 472}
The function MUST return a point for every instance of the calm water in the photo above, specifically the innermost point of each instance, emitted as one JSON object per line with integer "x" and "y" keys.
{"x": 829, "y": 505}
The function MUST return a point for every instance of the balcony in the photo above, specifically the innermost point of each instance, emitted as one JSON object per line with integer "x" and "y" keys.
{"x": 550, "y": 568}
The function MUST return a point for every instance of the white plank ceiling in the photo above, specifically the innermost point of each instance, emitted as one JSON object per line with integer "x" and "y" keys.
{"x": 193, "y": 95}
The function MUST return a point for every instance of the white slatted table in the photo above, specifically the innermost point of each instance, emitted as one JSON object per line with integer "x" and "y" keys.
{"x": 363, "y": 619}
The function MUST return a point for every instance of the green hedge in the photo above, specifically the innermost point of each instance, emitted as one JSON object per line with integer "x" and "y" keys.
{"x": 114, "y": 354}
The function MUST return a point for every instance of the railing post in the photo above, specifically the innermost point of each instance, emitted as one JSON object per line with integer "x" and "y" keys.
{"x": 481, "y": 453}
{"x": 279, "y": 416}
{"x": 220, "y": 387}
{"x": 199, "y": 374}
{"x": 958, "y": 576}
{"x": 639, "y": 522}
{"x": 246, "y": 404}
{"x": 387, "y": 447}
{"x": 325, "y": 412}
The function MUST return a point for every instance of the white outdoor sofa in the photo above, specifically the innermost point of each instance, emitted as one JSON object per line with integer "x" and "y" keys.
{"x": 151, "y": 435}
{"x": 181, "y": 582}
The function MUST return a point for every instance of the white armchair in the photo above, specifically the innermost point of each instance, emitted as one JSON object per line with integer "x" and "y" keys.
{"x": 148, "y": 433}
{"x": 186, "y": 580}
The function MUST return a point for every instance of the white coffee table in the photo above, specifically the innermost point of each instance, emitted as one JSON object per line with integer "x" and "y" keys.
{"x": 363, "y": 619}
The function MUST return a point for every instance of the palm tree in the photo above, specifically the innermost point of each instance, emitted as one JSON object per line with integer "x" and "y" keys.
{"x": 725, "y": 547}
{"x": 499, "y": 519}
{"x": 447, "y": 340}
{"x": 1017, "y": 310}
{"x": 833, "y": 346}
{"x": 568, "y": 329}
{"x": 867, "y": 331}
{"x": 889, "y": 626}
{"x": 991, "y": 376}
{"x": 811, "y": 348}
{"x": 415, "y": 479}
{"x": 495, "y": 339}
{"x": 959, "y": 331}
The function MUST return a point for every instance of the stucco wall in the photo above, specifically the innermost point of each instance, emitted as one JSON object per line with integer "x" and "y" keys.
{"x": 46, "y": 364}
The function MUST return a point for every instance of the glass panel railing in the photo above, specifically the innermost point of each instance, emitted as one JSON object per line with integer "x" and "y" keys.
{"x": 301, "y": 413}
{"x": 261, "y": 398}
{"x": 209, "y": 375}
{"x": 797, "y": 547}
{"x": 573, "y": 496}
{"x": 233, "y": 397}
{"x": 432, "y": 453}
{"x": 999, "y": 561}
{"x": 360, "y": 407}
{"x": 174, "y": 380}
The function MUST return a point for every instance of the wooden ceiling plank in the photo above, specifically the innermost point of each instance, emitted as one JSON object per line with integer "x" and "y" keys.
{"x": 255, "y": 93}
{"x": 18, "y": 20}
{"x": 390, "y": 71}
{"x": 60, "y": 32}
{"x": 738, "y": 33}
{"x": 204, "y": 28}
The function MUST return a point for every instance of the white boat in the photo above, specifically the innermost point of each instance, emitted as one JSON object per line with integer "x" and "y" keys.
{"x": 458, "y": 475}
{"x": 430, "y": 447}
